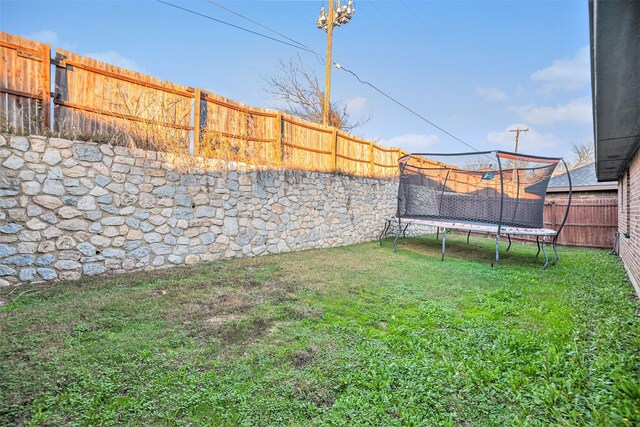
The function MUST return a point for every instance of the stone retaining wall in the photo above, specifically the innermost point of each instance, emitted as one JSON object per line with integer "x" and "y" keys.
{"x": 71, "y": 208}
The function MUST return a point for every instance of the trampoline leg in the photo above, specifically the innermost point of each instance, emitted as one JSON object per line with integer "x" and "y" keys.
{"x": 444, "y": 239}
{"x": 509, "y": 247}
{"x": 387, "y": 224}
{"x": 437, "y": 232}
{"x": 538, "y": 243}
{"x": 386, "y": 230}
{"x": 468, "y": 234}
{"x": 497, "y": 249}
{"x": 401, "y": 232}
{"x": 395, "y": 241}
{"x": 555, "y": 251}
{"x": 546, "y": 257}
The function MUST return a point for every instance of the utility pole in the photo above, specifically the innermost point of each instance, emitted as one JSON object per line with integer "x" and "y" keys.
{"x": 341, "y": 15}
{"x": 327, "y": 87}
{"x": 517, "y": 131}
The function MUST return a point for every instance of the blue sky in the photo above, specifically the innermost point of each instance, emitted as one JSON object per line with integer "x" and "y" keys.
{"x": 476, "y": 68}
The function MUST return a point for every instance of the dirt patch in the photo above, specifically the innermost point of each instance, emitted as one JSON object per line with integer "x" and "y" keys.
{"x": 320, "y": 395}
{"x": 231, "y": 302}
{"x": 303, "y": 312}
{"x": 272, "y": 329}
{"x": 222, "y": 319}
{"x": 322, "y": 399}
{"x": 302, "y": 358}
{"x": 250, "y": 283}
{"x": 244, "y": 331}
{"x": 197, "y": 307}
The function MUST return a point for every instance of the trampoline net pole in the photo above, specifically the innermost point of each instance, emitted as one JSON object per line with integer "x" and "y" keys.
{"x": 566, "y": 212}
{"x": 501, "y": 209}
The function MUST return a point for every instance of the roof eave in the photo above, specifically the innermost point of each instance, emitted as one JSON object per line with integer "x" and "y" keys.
{"x": 565, "y": 189}
{"x": 615, "y": 59}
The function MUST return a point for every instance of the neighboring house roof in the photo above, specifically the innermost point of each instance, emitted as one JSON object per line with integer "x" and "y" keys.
{"x": 582, "y": 179}
{"x": 615, "y": 61}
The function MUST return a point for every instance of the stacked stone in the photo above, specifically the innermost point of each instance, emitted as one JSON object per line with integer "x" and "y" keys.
{"x": 71, "y": 208}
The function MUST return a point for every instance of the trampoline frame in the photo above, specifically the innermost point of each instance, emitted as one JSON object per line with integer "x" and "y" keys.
{"x": 480, "y": 227}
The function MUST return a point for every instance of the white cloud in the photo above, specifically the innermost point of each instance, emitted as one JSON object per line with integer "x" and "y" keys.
{"x": 111, "y": 57}
{"x": 576, "y": 110}
{"x": 49, "y": 37}
{"x": 566, "y": 73}
{"x": 356, "y": 105}
{"x": 491, "y": 93}
{"x": 412, "y": 142}
{"x": 115, "y": 58}
{"x": 531, "y": 142}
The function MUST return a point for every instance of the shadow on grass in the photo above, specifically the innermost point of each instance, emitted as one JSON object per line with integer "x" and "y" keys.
{"x": 479, "y": 249}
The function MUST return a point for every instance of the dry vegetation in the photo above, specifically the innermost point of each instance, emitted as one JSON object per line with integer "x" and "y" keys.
{"x": 302, "y": 96}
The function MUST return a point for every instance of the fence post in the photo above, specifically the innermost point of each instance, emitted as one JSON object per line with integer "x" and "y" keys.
{"x": 371, "y": 163}
{"x": 46, "y": 87}
{"x": 279, "y": 148}
{"x": 61, "y": 93}
{"x": 334, "y": 148}
{"x": 197, "y": 96}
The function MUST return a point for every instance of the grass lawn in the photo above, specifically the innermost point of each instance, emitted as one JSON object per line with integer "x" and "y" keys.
{"x": 355, "y": 335}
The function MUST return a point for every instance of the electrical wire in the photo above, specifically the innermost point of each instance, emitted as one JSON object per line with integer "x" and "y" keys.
{"x": 257, "y": 23}
{"x": 236, "y": 26}
{"x": 310, "y": 49}
{"x": 340, "y": 67}
{"x": 305, "y": 48}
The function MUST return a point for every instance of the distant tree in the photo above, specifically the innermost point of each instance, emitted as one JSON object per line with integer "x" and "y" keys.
{"x": 479, "y": 165}
{"x": 303, "y": 96}
{"x": 583, "y": 154}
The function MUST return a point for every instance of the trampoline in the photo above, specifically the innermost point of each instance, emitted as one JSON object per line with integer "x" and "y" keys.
{"x": 490, "y": 192}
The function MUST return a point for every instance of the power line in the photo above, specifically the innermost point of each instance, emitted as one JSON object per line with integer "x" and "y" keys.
{"x": 305, "y": 48}
{"x": 235, "y": 26}
{"x": 257, "y": 23}
{"x": 340, "y": 67}
{"x": 310, "y": 49}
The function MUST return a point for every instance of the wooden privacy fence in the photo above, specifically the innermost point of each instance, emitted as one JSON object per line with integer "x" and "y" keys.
{"x": 591, "y": 222}
{"x": 94, "y": 100}
{"x": 24, "y": 84}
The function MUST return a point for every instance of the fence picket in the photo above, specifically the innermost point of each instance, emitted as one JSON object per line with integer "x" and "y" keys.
{"x": 197, "y": 100}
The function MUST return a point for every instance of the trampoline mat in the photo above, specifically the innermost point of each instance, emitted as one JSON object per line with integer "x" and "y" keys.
{"x": 478, "y": 227}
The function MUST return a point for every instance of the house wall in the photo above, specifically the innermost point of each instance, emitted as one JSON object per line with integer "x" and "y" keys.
{"x": 629, "y": 220}
{"x": 70, "y": 208}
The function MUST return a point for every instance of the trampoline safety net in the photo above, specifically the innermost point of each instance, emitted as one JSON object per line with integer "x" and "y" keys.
{"x": 492, "y": 187}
